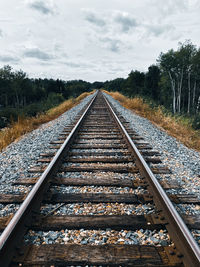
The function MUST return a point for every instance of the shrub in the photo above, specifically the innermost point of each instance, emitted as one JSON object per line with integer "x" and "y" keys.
{"x": 196, "y": 122}
{"x": 26, "y": 124}
{"x": 178, "y": 126}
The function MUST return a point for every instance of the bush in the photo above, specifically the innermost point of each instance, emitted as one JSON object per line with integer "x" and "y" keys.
{"x": 33, "y": 109}
{"x": 3, "y": 122}
{"x": 52, "y": 100}
{"x": 196, "y": 122}
{"x": 7, "y": 115}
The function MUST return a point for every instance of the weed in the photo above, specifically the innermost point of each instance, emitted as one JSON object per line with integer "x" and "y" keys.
{"x": 179, "y": 127}
{"x": 26, "y": 124}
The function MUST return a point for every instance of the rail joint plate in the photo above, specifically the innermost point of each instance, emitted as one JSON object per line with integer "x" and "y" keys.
{"x": 174, "y": 256}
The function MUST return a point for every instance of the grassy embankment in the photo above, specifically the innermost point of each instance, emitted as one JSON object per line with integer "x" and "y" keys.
{"x": 178, "y": 127}
{"x": 25, "y": 125}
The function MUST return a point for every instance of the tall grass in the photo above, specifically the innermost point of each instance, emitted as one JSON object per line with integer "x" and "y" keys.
{"x": 25, "y": 125}
{"x": 176, "y": 126}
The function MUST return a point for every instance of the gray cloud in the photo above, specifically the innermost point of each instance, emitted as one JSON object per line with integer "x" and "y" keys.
{"x": 111, "y": 30}
{"x": 94, "y": 19}
{"x": 78, "y": 64}
{"x": 125, "y": 21}
{"x": 42, "y": 6}
{"x": 158, "y": 30}
{"x": 37, "y": 53}
{"x": 72, "y": 64}
{"x": 112, "y": 44}
{"x": 9, "y": 59}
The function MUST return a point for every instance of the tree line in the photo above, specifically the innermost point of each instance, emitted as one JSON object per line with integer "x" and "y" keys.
{"x": 22, "y": 96}
{"x": 174, "y": 82}
{"x": 17, "y": 90}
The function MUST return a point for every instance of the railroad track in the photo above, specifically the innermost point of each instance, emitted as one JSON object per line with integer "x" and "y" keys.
{"x": 99, "y": 152}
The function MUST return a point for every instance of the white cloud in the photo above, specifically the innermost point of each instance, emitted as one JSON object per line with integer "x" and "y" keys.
{"x": 108, "y": 30}
{"x": 126, "y": 34}
{"x": 169, "y": 7}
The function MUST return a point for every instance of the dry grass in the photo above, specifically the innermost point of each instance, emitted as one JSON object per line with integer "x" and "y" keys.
{"x": 25, "y": 125}
{"x": 176, "y": 127}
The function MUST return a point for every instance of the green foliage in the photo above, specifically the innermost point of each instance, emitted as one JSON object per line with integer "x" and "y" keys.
{"x": 152, "y": 79}
{"x": 181, "y": 70}
{"x": 196, "y": 122}
{"x": 21, "y": 96}
{"x": 34, "y": 109}
{"x": 9, "y": 114}
{"x": 114, "y": 85}
{"x": 52, "y": 100}
{"x": 173, "y": 83}
{"x": 135, "y": 83}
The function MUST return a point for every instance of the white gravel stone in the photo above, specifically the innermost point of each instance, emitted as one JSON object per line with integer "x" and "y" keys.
{"x": 97, "y": 189}
{"x": 97, "y": 209}
{"x": 99, "y": 237}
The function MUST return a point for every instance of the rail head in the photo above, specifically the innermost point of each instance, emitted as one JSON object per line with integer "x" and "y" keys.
{"x": 179, "y": 232}
{"x": 22, "y": 218}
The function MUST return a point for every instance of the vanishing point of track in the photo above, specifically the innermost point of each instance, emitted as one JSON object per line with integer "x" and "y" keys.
{"x": 98, "y": 122}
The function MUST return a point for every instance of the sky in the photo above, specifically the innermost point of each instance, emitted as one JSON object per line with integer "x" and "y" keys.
{"x": 92, "y": 40}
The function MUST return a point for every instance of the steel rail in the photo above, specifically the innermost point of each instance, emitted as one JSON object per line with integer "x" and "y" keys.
{"x": 178, "y": 231}
{"x": 22, "y": 219}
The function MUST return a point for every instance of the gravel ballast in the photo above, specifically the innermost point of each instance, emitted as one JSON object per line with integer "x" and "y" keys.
{"x": 22, "y": 155}
{"x": 182, "y": 161}
{"x": 98, "y": 209}
{"x": 99, "y": 237}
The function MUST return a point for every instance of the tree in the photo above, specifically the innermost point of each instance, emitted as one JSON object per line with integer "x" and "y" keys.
{"x": 177, "y": 65}
{"x": 135, "y": 82}
{"x": 196, "y": 84}
{"x": 152, "y": 79}
{"x": 185, "y": 55}
{"x": 168, "y": 64}
{"x": 114, "y": 85}
{"x": 18, "y": 83}
{"x": 6, "y": 77}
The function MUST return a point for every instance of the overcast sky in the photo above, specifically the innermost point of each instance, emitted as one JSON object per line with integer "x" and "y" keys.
{"x": 92, "y": 39}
